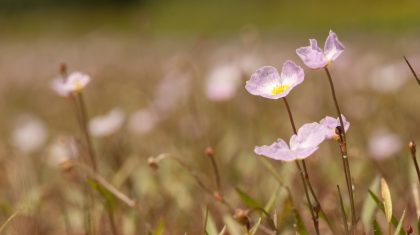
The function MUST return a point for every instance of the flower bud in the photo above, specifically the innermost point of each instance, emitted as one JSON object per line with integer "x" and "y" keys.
{"x": 63, "y": 69}
{"x": 209, "y": 152}
{"x": 409, "y": 229}
{"x": 241, "y": 216}
{"x": 218, "y": 196}
{"x": 412, "y": 146}
{"x": 152, "y": 163}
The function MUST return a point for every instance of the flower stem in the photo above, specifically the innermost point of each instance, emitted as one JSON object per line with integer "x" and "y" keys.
{"x": 85, "y": 131}
{"x": 305, "y": 177}
{"x": 412, "y": 70}
{"x": 343, "y": 211}
{"x": 413, "y": 150}
{"x": 343, "y": 151}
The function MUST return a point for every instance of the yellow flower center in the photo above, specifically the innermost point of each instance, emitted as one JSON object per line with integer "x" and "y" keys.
{"x": 77, "y": 86}
{"x": 279, "y": 89}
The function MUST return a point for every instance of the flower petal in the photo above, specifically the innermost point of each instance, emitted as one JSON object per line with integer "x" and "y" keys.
{"x": 76, "y": 81}
{"x": 277, "y": 150}
{"x": 291, "y": 74}
{"x": 308, "y": 136}
{"x": 304, "y": 153}
{"x": 331, "y": 124}
{"x": 333, "y": 47}
{"x": 312, "y": 56}
{"x": 263, "y": 81}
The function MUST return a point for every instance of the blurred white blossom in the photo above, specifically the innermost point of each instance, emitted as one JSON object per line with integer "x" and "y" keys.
{"x": 29, "y": 134}
{"x": 389, "y": 78}
{"x": 143, "y": 121}
{"x": 174, "y": 87}
{"x": 62, "y": 150}
{"x": 222, "y": 82}
{"x": 108, "y": 124}
{"x": 74, "y": 82}
{"x": 384, "y": 144}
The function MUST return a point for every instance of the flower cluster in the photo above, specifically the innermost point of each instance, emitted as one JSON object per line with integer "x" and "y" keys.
{"x": 268, "y": 83}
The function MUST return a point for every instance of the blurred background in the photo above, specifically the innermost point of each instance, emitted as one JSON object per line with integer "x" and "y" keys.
{"x": 168, "y": 78}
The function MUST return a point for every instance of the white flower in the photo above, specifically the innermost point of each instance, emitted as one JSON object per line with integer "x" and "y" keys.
{"x": 171, "y": 90}
{"x": 143, "y": 121}
{"x": 107, "y": 124}
{"x": 389, "y": 78}
{"x": 29, "y": 134}
{"x": 384, "y": 144}
{"x": 74, "y": 82}
{"x": 62, "y": 150}
{"x": 222, "y": 82}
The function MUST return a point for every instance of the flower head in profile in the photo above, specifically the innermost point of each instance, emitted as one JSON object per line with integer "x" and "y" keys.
{"x": 301, "y": 146}
{"x": 268, "y": 83}
{"x": 74, "y": 82}
{"x": 108, "y": 124}
{"x": 316, "y": 58}
{"x": 331, "y": 124}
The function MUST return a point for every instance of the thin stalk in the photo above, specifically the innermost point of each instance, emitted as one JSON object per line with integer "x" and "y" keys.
{"x": 193, "y": 173}
{"x": 112, "y": 220}
{"x": 343, "y": 150}
{"x": 311, "y": 208}
{"x": 343, "y": 211}
{"x": 413, "y": 150}
{"x": 108, "y": 186}
{"x": 86, "y": 134}
{"x": 216, "y": 172}
{"x": 11, "y": 217}
{"x": 412, "y": 70}
{"x": 304, "y": 174}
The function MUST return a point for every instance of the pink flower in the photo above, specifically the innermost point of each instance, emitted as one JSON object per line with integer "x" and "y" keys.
{"x": 74, "y": 82}
{"x": 313, "y": 56}
{"x": 267, "y": 82}
{"x": 331, "y": 124}
{"x": 302, "y": 145}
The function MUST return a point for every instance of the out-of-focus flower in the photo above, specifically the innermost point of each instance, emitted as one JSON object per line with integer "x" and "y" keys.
{"x": 29, "y": 134}
{"x": 107, "y": 124}
{"x": 267, "y": 82}
{"x": 316, "y": 58}
{"x": 302, "y": 145}
{"x": 174, "y": 87}
{"x": 62, "y": 151}
{"x": 74, "y": 82}
{"x": 331, "y": 124}
{"x": 143, "y": 121}
{"x": 384, "y": 144}
{"x": 389, "y": 78}
{"x": 222, "y": 82}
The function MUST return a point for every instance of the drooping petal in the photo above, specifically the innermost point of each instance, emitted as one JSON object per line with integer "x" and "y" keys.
{"x": 333, "y": 47}
{"x": 277, "y": 150}
{"x": 291, "y": 74}
{"x": 264, "y": 82}
{"x": 308, "y": 136}
{"x": 331, "y": 124}
{"x": 303, "y": 153}
{"x": 312, "y": 56}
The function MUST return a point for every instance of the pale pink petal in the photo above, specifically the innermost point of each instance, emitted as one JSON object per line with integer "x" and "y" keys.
{"x": 308, "y": 136}
{"x": 333, "y": 47}
{"x": 312, "y": 56}
{"x": 332, "y": 123}
{"x": 277, "y": 150}
{"x": 263, "y": 81}
{"x": 291, "y": 74}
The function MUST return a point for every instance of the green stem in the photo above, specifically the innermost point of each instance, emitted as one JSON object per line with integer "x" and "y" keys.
{"x": 343, "y": 151}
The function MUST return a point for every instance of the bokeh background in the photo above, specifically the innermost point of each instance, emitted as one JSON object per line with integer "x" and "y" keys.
{"x": 174, "y": 72}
